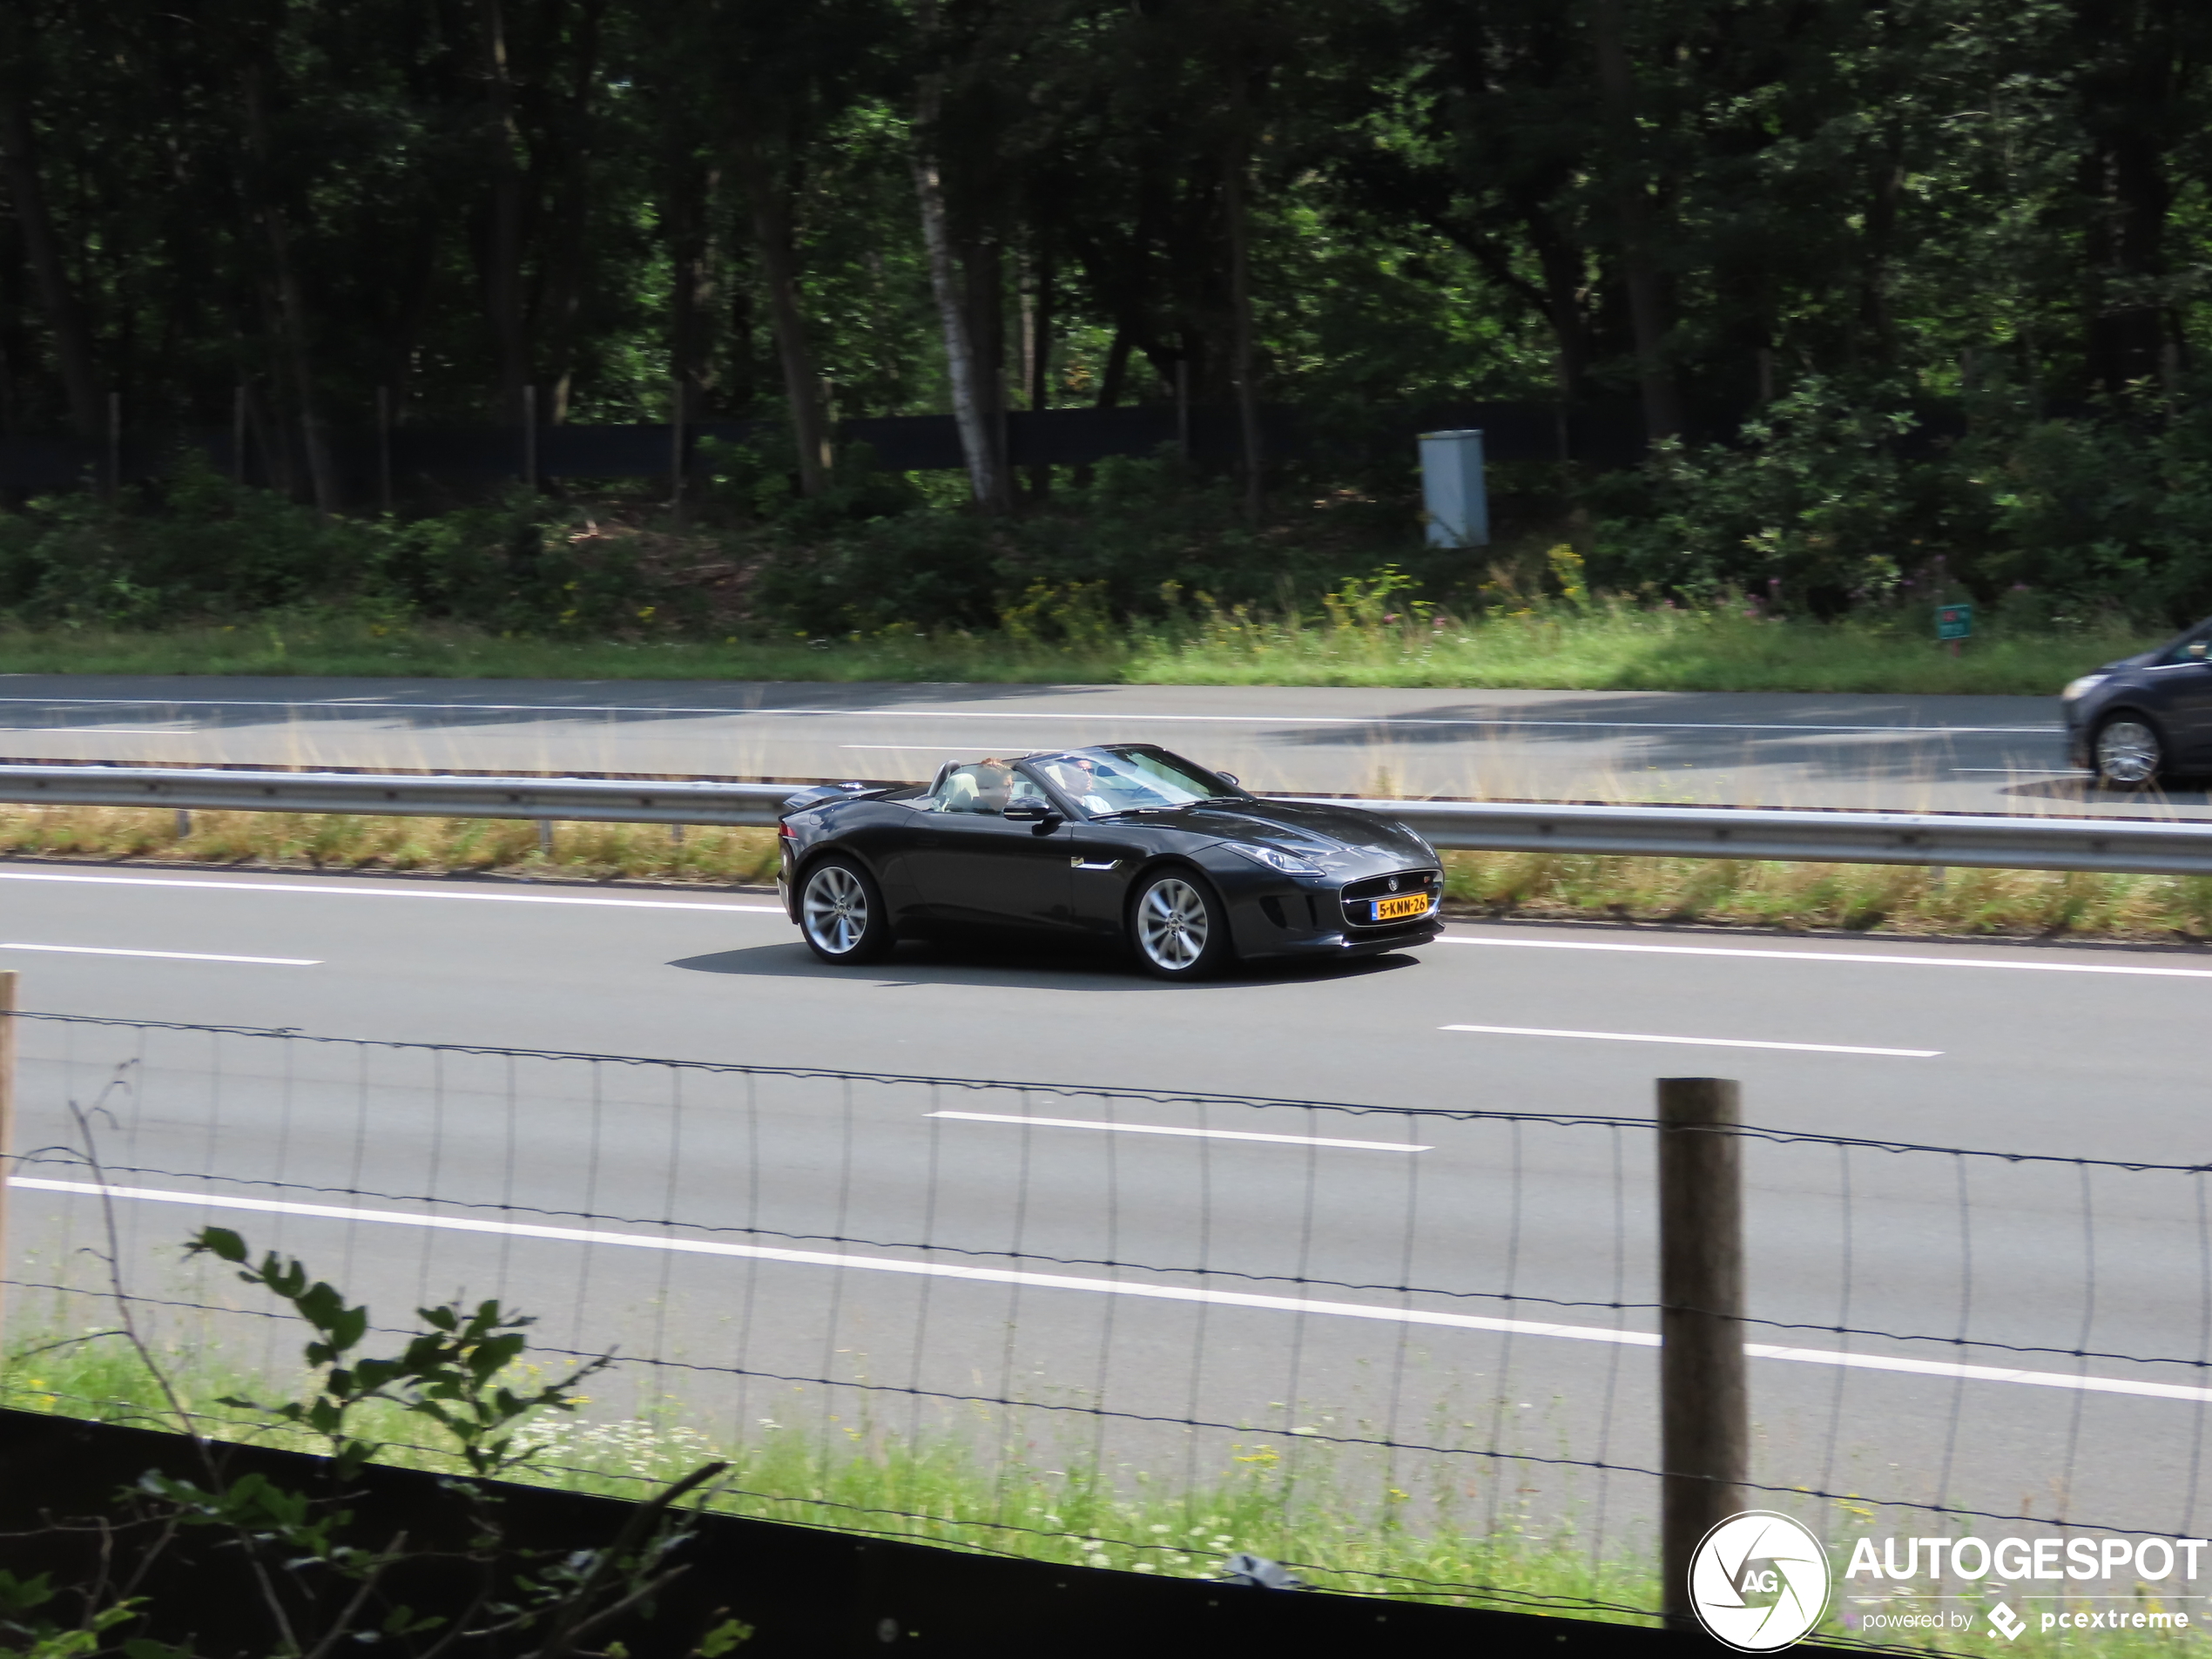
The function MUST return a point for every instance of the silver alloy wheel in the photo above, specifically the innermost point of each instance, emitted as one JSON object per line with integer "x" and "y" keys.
{"x": 836, "y": 908}
{"x": 1173, "y": 925}
{"x": 2128, "y": 752}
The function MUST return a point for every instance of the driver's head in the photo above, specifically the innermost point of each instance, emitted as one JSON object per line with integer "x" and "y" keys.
{"x": 993, "y": 785}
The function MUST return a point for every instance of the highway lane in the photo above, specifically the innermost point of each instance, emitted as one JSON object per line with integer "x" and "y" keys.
{"x": 2062, "y": 1052}
{"x": 1960, "y": 753}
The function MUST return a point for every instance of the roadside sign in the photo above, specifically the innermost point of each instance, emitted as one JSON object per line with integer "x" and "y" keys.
{"x": 1955, "y": 622}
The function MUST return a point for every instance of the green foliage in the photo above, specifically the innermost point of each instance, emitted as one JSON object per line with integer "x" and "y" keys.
{"x": 318, "y": 1584}
{"x": 1831, "y": 502}
{"x": 451, "y": 1375}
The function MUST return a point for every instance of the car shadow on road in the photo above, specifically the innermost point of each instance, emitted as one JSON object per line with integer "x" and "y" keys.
{"x": 1042, "y": 967}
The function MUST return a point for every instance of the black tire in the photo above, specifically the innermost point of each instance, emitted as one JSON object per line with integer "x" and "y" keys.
{"x": 841, "y": 913}
{"x": 2126, "y": 751}
{"x": 1179, "y": 928}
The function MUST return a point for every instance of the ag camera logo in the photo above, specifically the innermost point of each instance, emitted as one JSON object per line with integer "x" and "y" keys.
{"x": 1759, "y": 1581}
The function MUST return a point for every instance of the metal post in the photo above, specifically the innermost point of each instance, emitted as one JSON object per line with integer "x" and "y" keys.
{"x": 545, "y": 836}
{"x": 114, "y": 445}
{"x": 529, "y": 437}
{"x": 7, "y": 1122}
{"x": 384, "y": 448}
{"x": 1705, "y": 1411}
{"x": 1182, "y": 408}
{"x": 676, "y": 400}
{"x": 183, "y": 823}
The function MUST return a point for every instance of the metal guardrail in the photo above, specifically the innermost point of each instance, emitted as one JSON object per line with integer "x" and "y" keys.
{"x": 2128, "y": 846}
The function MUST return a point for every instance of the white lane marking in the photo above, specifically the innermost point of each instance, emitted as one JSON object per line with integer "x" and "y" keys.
{"x": 1162, "y": 1128}
{"x": 368, "y": 891}
{"x": 2028, "y": 772}
{"x": 949, "y": 748}
{"x": 109, "y": 730}
{"x": 996, "y": 714}
{"x": 1695, "y": 1042}
{"x": 1107, "y": 1287}
{"x": 1832, "y": 956}
{"x": 168, "y": 956}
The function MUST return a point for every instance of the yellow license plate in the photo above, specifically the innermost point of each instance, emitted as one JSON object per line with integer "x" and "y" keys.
{"x": 1411, "y": 904}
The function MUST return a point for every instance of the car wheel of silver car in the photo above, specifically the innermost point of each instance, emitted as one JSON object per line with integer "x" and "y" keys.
{"x": 2128, "y": 754}
{"x": 841, "y": 913}
{"x": 1178, "y": 926}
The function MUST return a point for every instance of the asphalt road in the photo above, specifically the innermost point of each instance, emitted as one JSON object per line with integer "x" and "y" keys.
{"x": 1958, "y": 754}
{"x": 1258, "y": 1285}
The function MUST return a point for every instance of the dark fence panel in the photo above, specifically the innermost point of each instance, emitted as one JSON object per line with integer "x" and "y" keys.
{"x": 1600, "y": 436}
{"x": 807, "y": 1591}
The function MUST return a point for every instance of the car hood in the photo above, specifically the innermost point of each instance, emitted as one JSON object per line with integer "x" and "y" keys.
{"x": 1329, "y": 835}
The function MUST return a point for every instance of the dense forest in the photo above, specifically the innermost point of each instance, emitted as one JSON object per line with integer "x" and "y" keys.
{"x": 1904, "y": 291}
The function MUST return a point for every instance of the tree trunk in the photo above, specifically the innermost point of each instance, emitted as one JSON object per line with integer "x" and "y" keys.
{"x": 502, "y": 242}
{"x": 58, "y": 299}
{"x": 944, "y": 281}
{"x": 779, "y": 276}
{"x": 1240, "y": 301}
{"x": 1040, "y": 363}
{"x": 565, "y": 280}
{"x": 984, "y": 265}
{"x": 691, "y": 201}
{"x": 1632, "y": 202}
{"x": 293, "y": 331}
{"x": 2133, "y": 99}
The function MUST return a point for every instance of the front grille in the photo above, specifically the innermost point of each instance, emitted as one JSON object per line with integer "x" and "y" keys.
{"x": 1358, "y": 898}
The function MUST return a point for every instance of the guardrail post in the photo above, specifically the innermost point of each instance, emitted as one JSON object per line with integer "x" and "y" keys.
{"x": 1704, "y": 1410}
{"x": 7, "y": 1125}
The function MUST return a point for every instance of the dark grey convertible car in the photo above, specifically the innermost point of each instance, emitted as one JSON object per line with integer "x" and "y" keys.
{"x": 1122, "y": 842}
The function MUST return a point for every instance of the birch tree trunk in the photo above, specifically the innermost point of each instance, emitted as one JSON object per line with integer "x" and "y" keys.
{"x": 975, "y": 445}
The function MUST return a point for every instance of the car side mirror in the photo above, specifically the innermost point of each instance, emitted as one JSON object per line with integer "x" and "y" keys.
{"x": 1229, "y": 778}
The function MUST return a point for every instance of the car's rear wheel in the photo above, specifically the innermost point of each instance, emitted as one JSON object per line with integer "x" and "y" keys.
{"x": 2128, "y": 752}
{"x": 1178, "y": 926}
{"x": 841, "y": 913}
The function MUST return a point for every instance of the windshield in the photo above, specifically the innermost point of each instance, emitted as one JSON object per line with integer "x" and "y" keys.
{"x": 1128, "y": 781}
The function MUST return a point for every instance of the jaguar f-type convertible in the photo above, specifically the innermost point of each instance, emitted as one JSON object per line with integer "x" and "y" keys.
{"x": 1122, "y": 843}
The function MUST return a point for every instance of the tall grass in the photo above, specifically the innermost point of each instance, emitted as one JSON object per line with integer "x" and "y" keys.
{"x": 1594, "y": 646}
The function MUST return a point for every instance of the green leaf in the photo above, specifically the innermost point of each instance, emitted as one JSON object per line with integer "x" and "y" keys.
{"x": 219, "y": 1242}
{"x": 723, "y": 1637}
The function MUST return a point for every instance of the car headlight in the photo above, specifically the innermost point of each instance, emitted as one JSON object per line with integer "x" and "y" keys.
{"x": 2082, "y": 687}
{"x": 1275, "y": 859}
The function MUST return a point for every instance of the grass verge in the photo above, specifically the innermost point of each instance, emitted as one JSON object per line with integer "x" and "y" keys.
{"x": 1863, "y": 898}
{"x": 860, "y": 1477}
{"x": 1599, "y": 646}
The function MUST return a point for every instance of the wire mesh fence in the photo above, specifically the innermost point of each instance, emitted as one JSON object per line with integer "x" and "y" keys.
{"x": 1407, "y": 1350}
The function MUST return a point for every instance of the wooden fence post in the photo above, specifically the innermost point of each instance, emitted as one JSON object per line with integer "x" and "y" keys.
{"x": 7, "y": 1125}
{"x": 1704, "y": 1410}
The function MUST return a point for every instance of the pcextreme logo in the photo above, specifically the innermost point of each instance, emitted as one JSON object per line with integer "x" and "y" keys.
{"x": 1759, "y": 1581}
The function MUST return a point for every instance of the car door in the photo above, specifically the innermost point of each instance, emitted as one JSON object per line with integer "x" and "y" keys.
{"x": 972, "y": 866}
{"x": 2180, "y": 687}
{"x": 1103, "y": 858}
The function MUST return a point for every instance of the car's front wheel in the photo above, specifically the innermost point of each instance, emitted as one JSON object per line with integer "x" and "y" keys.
{"x": 1178, "y": 926}
{"x": 2128, "y": 752}
{"x": 841, "y": 913}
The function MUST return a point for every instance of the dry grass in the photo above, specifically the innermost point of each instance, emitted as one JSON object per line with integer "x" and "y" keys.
{"x": 430, "y": 845}
{"x": 1860, "y": 898}
{"x": 1852, "y": 897}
